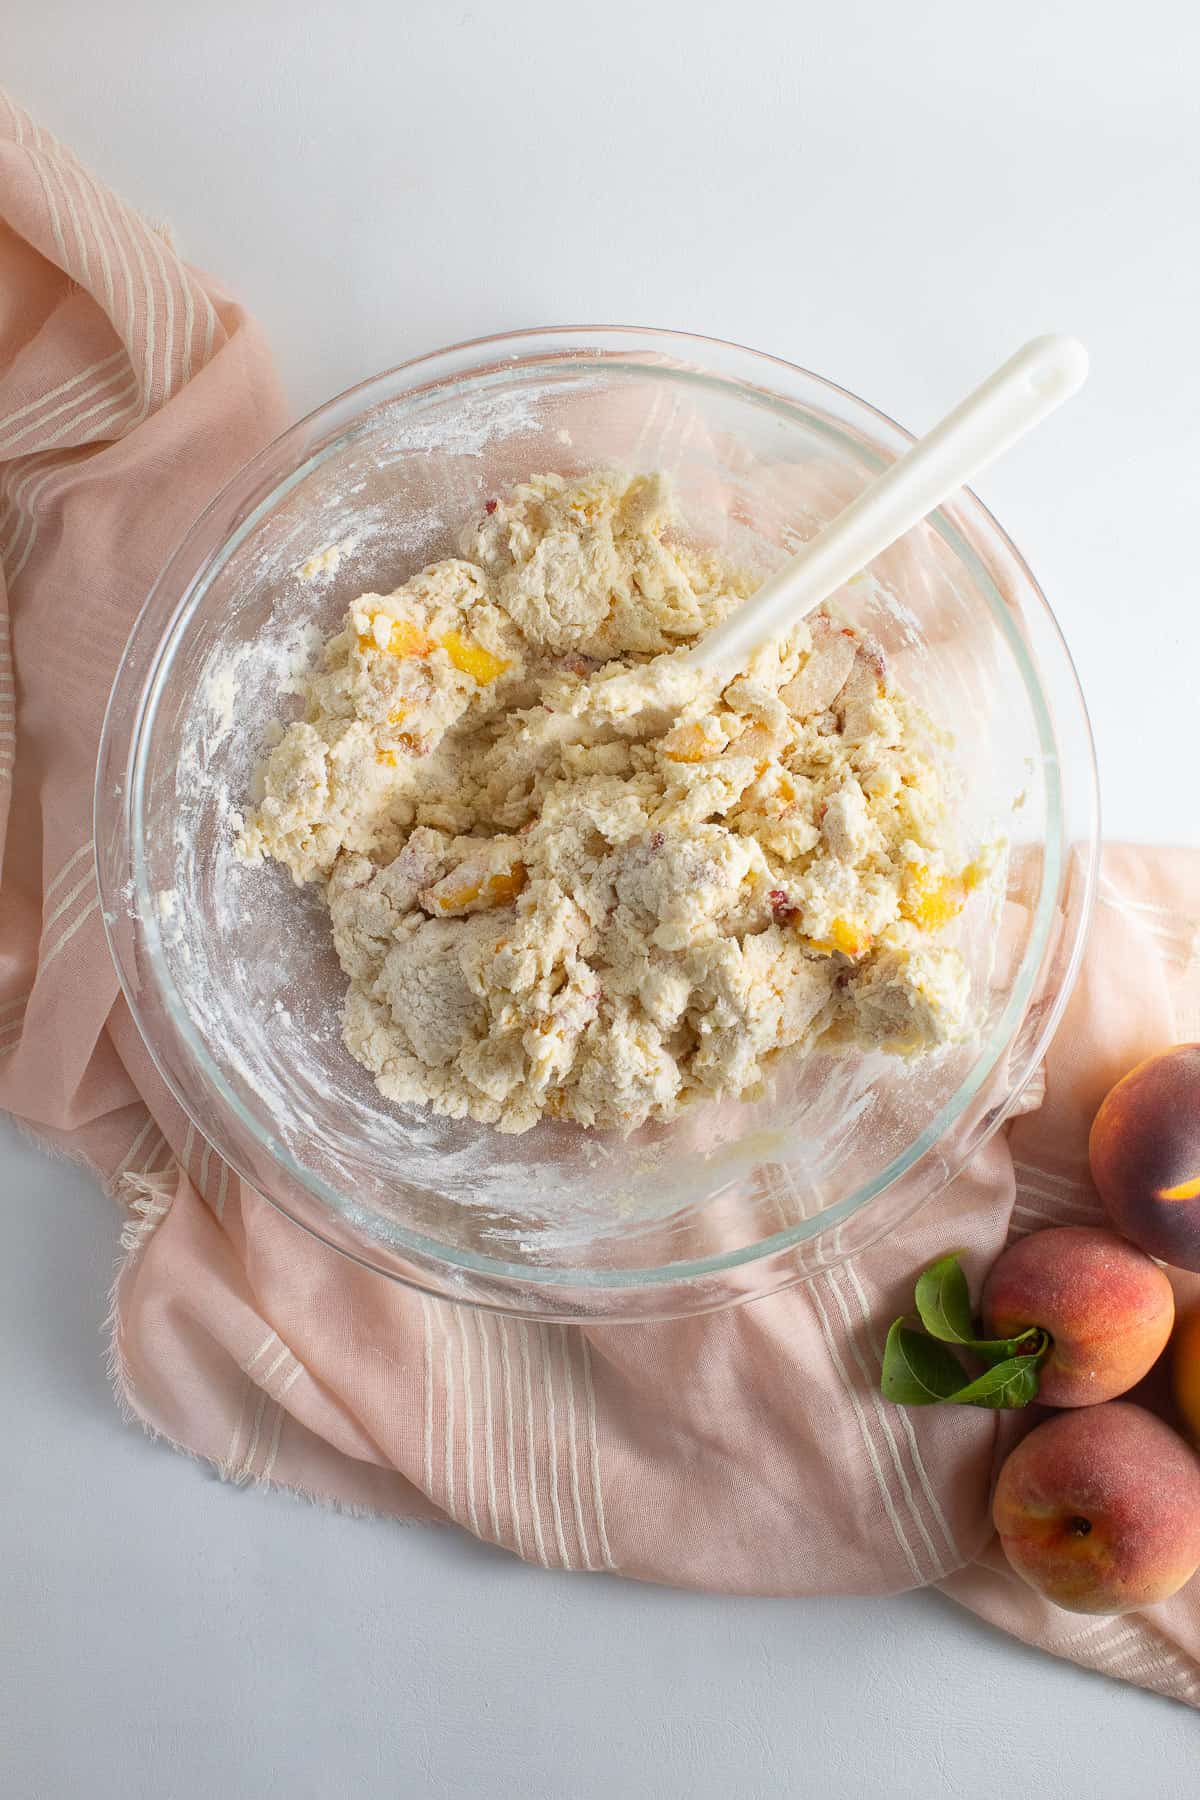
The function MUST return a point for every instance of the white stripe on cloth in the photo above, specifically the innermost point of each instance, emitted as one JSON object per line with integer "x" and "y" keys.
{"x": 531, "y": 1470}
{"x": 186, "y": 360}
{"x": 881, "y": 1411}
{"x": 489, "y": 1439}
{"x": 291, "y": 1378}
{"x": 71, "y": 863}
{"x": 227, "y": 1465}
{"x": 99, "y": 397}
{"x": 93, "y": 906}
{"x": 112, "y": 406}
{"x": 284, "y": 1355}
{"x": 449, "y": 1484}
{"x": 154, "y": 244}
{"x": 72, "y": 168}
{"x": 273, "y": 1367}
{"x": 1099, "y": 1628}
{"x": 566, "y": 1340}
{"x": 864, "y": 1429}
{"x": 87, "y": 181}
{"x": 268, "y": 1467}
{"x": 1083, "y": 1209}
{"x": 547, "y": 1373}
{"x": 478, "y": 1394}
{"x": 202, "y": 1182}
{"x": 210, "y": 333}
{"x": 594, "y": 1459}
{"x": 134, "y": 230}
{"x": 44, "y": 161}
{"x": 56, "y": 174}
{"x": 1137, "y": 1652}
{"x": 1046, "y": 1217}
{"x": 24, "y": 524}
{"x": 1022, "y": 1223}
{"x": 65, "y": 904}
{"x": 127, "y": 1160}
{"x": 107, "y": 400}
{"x": 427, "y": 1321}
{"x": 93, "y": 212}
{"x": 10, "y": 435}
{"x": 281, "y": 1418}
{"x": 469, "y": 1416}
{"x": 510, "y": 1435}
{"x": 158, "y": 1150}
{"x": 222, "y": 1189}
{"x": 28, "y": 492}
{"x": 37, "y": 159}
{"x": 252, "y": 1448}
{"x": 935, "y": 1507}
{"x": 272, "y": 1337}
{"x": 1069, "y": 1184}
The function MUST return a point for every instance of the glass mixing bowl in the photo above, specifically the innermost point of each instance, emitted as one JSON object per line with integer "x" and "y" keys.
{"x": 230, "y": 972}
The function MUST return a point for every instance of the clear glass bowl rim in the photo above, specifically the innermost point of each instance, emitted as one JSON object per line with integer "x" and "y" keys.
{"x": 257, "y": 487}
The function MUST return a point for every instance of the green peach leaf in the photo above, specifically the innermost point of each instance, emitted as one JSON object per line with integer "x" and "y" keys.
{"x": 918, "y": 1370}
{"x": 944, "y": 1302}
{"x": 1005, "y": 1385}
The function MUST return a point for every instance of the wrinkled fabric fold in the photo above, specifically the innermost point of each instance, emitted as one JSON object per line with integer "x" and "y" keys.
{"x": 744, "y": 1452}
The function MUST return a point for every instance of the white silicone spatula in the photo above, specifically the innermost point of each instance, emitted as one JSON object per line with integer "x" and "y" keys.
{"x": 1018, "y": 396}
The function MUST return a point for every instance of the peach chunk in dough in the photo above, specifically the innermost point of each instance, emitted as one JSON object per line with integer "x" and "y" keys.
{"x": 491, "y": 875}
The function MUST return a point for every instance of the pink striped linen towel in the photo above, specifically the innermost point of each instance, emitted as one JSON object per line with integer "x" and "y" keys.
{"x": 744, "y": 1452}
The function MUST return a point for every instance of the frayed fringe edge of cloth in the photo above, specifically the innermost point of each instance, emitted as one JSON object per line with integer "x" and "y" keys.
{"x": 150, "y": 1198}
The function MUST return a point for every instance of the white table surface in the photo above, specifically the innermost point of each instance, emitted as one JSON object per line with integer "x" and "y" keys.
{"x": 895, "y": 196}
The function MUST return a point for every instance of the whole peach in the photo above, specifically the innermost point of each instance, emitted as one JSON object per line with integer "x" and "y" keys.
{"x": 1145, "y": 1155}
{"x": 1108, "y": 1308}
{"x": 1100, "y": 1509}
{"x": 1185, "y": 1371}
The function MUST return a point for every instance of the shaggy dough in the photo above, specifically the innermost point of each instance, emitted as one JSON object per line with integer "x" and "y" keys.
{"x": 552, "y": 901}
